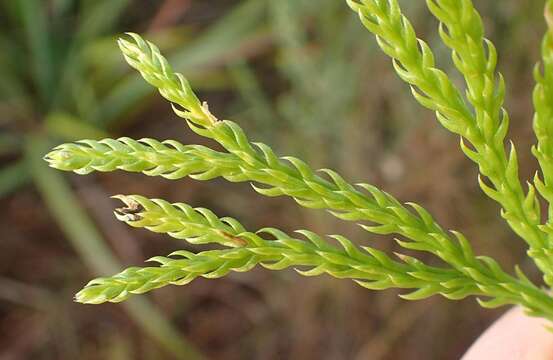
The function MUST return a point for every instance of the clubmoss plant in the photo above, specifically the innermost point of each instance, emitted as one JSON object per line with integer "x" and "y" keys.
{"x": 477, "y": 116}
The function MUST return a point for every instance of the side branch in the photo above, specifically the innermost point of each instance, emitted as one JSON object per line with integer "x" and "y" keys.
{"x": 482, "y": 129}
{"x": 313, "y": 256}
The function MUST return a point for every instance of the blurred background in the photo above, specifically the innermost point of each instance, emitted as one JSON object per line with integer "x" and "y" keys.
{"x": 302, "y": 76}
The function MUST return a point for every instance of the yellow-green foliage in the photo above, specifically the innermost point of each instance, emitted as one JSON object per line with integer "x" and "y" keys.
{"x": 477, "y": 116}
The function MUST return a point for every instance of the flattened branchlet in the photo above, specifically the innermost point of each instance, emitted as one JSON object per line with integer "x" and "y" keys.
{"x": 477, "y": 115}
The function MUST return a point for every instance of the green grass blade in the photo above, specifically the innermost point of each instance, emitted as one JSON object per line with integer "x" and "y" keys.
{"x": 96, "y": 19}
{"x": 66, "y": 126}
{"x": 11, "y": 84}
{"x": 35, "y": 22}
{"x": 100, "y": 17}
{"x": 13, "y": 177}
